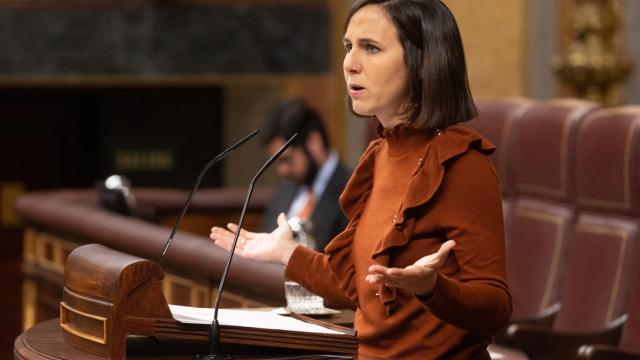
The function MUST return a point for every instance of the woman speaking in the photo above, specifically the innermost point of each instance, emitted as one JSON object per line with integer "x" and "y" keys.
{"x": 422, "y": 258}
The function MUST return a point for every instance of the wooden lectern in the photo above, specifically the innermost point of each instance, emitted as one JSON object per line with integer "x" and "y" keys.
{"x": 109, "y": 295}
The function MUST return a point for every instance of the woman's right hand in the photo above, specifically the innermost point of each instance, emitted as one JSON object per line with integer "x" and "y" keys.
{"x": 276, "y": 246}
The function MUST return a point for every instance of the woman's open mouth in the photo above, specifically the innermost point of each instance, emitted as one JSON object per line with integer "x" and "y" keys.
{"x": 355, "y": 89}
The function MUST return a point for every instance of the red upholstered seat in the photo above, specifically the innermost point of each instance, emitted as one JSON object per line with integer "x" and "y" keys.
{"x": 615, "y": 196}
{"x": 630, "y": 340}
{"x": 601, "y": 261}
{"x": 541, "y": 149}
{"x": 629, "y": 346}
{"x": 540, "y": 175}
{"x": 608, "y": 153}
{"x": 494, "y": 121}
{"x": 603, "y": 252}
{"x": 539, "y": 233}
{"x": 608, "y": 197}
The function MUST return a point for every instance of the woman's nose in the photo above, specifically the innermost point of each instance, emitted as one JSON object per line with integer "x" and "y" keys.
{"x": 351, "y": 63}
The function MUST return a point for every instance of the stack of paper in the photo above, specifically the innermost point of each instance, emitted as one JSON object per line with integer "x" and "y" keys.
{"x": 269, "y": 329}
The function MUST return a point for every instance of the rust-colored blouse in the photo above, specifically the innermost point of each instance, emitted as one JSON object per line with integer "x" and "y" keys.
{"x": 411, "y": 191}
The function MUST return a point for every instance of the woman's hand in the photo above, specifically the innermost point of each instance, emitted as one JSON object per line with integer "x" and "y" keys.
{"x": 276, "y": 246}
{"x": 419, "y": 278}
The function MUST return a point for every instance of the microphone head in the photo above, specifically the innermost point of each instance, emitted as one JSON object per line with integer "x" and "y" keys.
{"x": 115, "y": 194}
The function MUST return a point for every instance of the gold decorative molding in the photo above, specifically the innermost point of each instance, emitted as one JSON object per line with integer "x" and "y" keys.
{"x": 200, "y": 293}
{"x": 177, "y": 288}
{"x": 29, "y": 303}
{"x": 593, "y": 63}
{"x": 9, "y": 193}
{"x": 49, "y": 253}
{"x": 70, "y": 316}
{"x": 234, "y": 300}
{"x": 46, "y": 251}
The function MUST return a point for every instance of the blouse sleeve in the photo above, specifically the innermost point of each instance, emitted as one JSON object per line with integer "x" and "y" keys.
{"x": 469, "y": 209}
{"x": 311, "y": 269}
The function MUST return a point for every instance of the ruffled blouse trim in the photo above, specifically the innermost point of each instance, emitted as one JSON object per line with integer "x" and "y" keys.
{"x": 425, "y": 182}
{"x": 403, "y": 139}
{"x": 401, "y": 130}
{"x": 352, "y": 201}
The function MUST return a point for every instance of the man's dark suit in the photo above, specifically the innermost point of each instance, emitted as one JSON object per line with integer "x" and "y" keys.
{"x": 327, "y": 217}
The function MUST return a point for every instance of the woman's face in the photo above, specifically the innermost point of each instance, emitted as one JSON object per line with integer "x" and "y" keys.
{"x": 374, "y": 66}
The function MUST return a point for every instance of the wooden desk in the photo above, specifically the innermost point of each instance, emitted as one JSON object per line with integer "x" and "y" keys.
{"x": 113, "y": 307}
{"x": 44, "y": 341}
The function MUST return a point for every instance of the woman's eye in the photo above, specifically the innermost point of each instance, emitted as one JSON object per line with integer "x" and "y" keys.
{"x": 348, "y": 47}
{"x": 372, "y": 49}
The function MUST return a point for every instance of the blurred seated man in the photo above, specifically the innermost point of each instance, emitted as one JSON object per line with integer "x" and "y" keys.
{"x": 314, "y": 176}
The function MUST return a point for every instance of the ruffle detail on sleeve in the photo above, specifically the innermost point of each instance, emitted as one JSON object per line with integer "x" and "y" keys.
{"x": 352, "y": 202}
{"x": 450, "y": 143}
{"x": 352, "y": 198}
{"x": 457, "y": 139}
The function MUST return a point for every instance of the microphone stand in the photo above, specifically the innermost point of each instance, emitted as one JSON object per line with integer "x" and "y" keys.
{"x": 214, "y": 333}
{"x": 219, "y": 157}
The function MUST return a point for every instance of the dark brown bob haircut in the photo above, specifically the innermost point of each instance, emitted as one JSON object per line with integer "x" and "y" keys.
{"x": 439, "y": 93}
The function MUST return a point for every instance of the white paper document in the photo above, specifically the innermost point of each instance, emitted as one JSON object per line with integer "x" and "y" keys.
{"x": 246, "y": 318}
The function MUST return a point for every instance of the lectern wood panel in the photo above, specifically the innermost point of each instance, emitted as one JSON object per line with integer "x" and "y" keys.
{"x": 109, "y": 295}
{"x": 103, "y": 287}
{"x": 84, "y": 325}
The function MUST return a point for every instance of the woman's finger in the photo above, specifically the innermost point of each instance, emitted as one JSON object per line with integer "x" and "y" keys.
{"x": 282, "y": 220}
{"x": 398, "y": 273}
{"x": 243, "y": 233}
{"x": 224, "y": 238}
{"x": 377, "y": 269}
{"x": 446, "y": 248}
{"x": 220, "y": 234}
{"x": 443, "y": 252}
{"x": 220, "y": 241}
{"x": 388, "y": 272}
{"x": 374, "y": 279}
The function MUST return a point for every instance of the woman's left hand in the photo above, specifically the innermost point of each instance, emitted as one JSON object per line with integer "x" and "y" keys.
{"x": 419, "y": 278}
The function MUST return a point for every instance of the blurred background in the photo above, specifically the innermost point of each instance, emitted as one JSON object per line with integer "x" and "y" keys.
{"x": 154, "y": 89}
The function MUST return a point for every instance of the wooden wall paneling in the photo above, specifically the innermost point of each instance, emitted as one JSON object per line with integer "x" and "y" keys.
{"x": 495, "y": 43}
{"x": 44, "y": 259}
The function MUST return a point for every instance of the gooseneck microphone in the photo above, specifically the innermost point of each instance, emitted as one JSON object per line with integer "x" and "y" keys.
{"x": 219, "y": 157}
{"x": 214, "y": 334}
